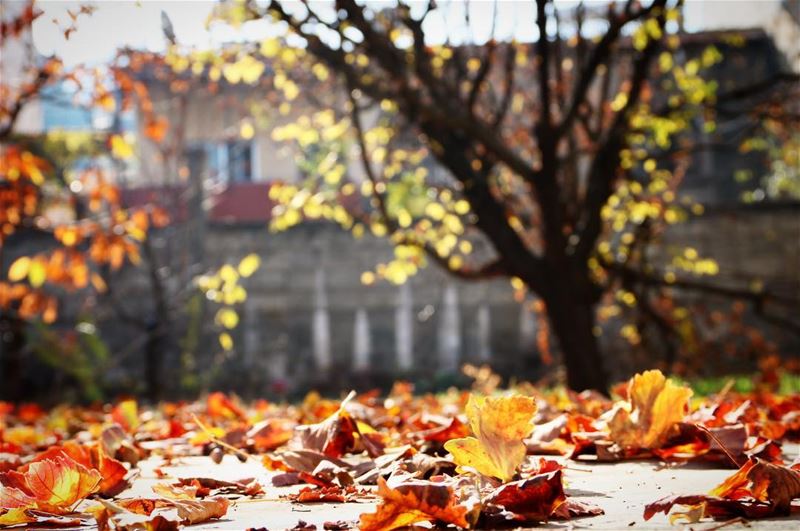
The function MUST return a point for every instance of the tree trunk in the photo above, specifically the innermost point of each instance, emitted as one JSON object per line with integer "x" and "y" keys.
{"x": 158, "y": 328}
{"x": 572, "y": 321}
{"x": 154, "y": 355}
{"x": 12, "y": 343}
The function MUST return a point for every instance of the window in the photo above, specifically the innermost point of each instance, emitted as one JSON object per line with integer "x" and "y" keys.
{"x": 222, "y": 162}
{"x": 240, "y": 157}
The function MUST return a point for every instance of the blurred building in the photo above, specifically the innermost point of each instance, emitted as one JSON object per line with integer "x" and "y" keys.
{"x": 780, "y": 19}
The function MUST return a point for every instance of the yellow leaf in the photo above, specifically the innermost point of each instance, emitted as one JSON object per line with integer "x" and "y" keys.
{"x": 247, "y": 131}
{"x": 655, "y": 405}
{"x": 226, "y": 341}
{"x": 249, "y": 265}
{"x": 270, "y": 47}
{"x": 19, "y": 269}
{"x": 227, "y": 318}
{"x": 500, "y": 425}
{"x": 37, "y": 273}
{"x": 120, "y": 148}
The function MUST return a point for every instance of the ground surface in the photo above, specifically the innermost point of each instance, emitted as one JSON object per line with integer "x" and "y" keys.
{"x": 621, "y": 489}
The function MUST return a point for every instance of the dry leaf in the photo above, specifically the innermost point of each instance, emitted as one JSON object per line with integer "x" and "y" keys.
{"x": 529, "y": 500}
{"x": 413, "y": 502}
{"x": 334, "y": 436}
{"x": 655, "y": 405}
{"x": 500, "y": 425}
{"x": 757, "y": 490}
{"x": 92, "y": 457}
{"x": 56, "y": 484}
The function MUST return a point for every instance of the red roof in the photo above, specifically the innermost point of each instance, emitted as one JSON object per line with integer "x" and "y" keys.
{"x": 242, "y": 203}
{"x": 236, "y": 203}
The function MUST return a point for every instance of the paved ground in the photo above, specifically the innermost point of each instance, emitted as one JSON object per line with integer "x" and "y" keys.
{"x": 621, "y": 489}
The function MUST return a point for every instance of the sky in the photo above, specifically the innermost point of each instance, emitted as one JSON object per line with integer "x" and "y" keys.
{"x": 119, "y": 23}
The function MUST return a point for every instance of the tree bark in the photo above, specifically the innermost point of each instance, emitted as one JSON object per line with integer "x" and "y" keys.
{"x": 12, "y": 344}
{"x": 572, "y": 320}
{"x": 158, "y": 328}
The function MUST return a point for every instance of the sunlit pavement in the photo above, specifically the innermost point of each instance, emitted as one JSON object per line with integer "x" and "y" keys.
{"x": 620, "y": 489}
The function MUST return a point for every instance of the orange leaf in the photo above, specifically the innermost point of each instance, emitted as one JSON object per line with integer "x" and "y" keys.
{"x": 766, "y": 482}
{"x": 126, "y": 414}
{"x": 92, "y": 457}
{"x": 56, "y": 484}
{"x": 412, "y": 502}
{"x": 156, "y": 128}
{"x": 757, "y": 490}
{"x": 655, "y": 405}
{"x": 221, "y": 407}
{"x": 334, "y": 436}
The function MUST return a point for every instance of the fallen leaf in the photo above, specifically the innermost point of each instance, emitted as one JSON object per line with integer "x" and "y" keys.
{"x": 15, "y": 517}
{"x": 92, "y": 457}
{"x": 270, "y": 434}
{"x": 413, "y": 502}
{"x": 757, "y": 490}
{"x": 55, "y": 484}
{"x": 186, "y": 512}
{"x": 655, "y": 405}
{"x": 319, "y": 495}
{"x": 762, "y": 481}
{"x": 334, "y": 436}
{"x": 221, "y": 407}
{"x": 500, "y": 425}
{"x": 528, "y": 500}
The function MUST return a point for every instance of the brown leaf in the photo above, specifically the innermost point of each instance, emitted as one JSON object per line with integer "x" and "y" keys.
{"x": 765, "y": 482}
{"x": 334, "y": 436}
{"x": 528, "y": 500}
{"x": 758, "y": 489}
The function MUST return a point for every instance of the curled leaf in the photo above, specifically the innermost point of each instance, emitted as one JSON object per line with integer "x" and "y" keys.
{"x": 530, "y": 500}
{"x": 413, "y": 502}
{"x": 757, "y": 490}
{"x": 655, "y": 405}
{"x": 500, "y": 425}
{"x": 92, "y": 457}
{"x": 334, "y": 436}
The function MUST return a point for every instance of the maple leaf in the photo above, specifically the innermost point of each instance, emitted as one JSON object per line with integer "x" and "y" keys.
{"x": 500, "y": 425}
{"x": 56, "y": 484}
{"x": 762, "y": 481}
{"x": 14, "y": 503}
{"x": 413, "y": 502}
{"x": 92, "y": 457}
{"x": 655, "y": 405}
{"x": 758, "y": 489}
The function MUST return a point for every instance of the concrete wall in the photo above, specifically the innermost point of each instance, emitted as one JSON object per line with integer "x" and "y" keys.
{"x": 276, "y": 339}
